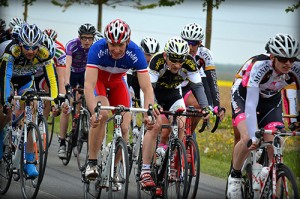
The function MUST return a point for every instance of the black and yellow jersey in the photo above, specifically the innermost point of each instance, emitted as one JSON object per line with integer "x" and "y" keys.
{"x": 14, "y": 63}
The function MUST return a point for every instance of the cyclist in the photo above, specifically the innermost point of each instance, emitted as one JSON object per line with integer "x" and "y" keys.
{"x": 150, "y": 46}
{"x": 98, "y": 36}
{"x": 59, "y": 59}
{"x": 193, "y": 34}
{"x": 256, "y": 91}
{"x": 76, "y": 56}
{"x": 20, "y": 61}
{"x": 108, "y": 61}
{"x": 167, "y": 71}
{"x": 3, "y": 32}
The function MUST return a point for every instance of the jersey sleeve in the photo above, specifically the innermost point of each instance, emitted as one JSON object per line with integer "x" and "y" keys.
{"x": 52, "y": 78}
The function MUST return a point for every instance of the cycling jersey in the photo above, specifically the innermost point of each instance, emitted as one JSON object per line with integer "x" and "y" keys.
{"x": 78, "y": 54}
{"x": 164, "y": 81}
{"x": 111, "y": 72}
{"x": 60, "y": 55}
{"x": 258, "y": 79}
{"x": 15, "y": 64}
{"x": 208, "y": 74}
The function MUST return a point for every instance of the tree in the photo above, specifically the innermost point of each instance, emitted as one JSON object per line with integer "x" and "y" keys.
{"x": 26, "y": 3}
{"x": 293, "y": 7}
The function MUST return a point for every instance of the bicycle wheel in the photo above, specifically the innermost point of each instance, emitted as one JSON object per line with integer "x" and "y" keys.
{"x": 193, "y": 158}
{"x": 43, "y": 127}
{"x": 30, "y": 185}
{"x": 52, "y": 130}
{"x": 118, "y": 184}
{"x": 144, "y": 193}
{"x": 91, "y": 189}
{"x": 286, "y": 186}
{"x": 6, "y": 164}
{"x": 69, "y": 147}
{"x": 247, "y": 189}
{"x": 82, "y": 141}
{"x": 176, "y": 175}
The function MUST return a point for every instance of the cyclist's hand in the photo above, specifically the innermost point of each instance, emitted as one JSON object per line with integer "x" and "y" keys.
{"x": 220, "y": 112}
{"x": 149, "y": 122}
{"x": 94, "y": 121}
{"x": 254, "y": 145}
{"x": 66, "y": 109}
{"x": 295, "y": 126}
{"x": 55, "y": 111}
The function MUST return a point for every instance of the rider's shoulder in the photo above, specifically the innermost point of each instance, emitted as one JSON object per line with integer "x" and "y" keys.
{"x": 43, "y": 53}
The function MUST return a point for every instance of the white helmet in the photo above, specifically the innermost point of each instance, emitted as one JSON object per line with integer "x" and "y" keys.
{"x": 15, "y": 31}
{"x": 98, "y": 36}
{"x": 30, "y": 35}
{"x": 177, "y": 46}
{"x": 193, "y": 32}
{"x": 48, "y": 42}
{"x": 284, "y": 45}
{"x": 15, "y": 21}
{"x": 149, "y": 45}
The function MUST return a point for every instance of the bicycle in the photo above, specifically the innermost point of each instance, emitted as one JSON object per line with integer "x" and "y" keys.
{"x": 172, "y": 173}
{"x": 15, "y": 147}
{"x": 111, "y": 174}
{"x": 275, "y": 180}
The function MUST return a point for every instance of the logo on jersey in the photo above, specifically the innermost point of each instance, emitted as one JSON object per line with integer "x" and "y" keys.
{"x": 43, "y": 53}
{"x": 260, "y": 72}
{"x": 15, "y": 50}
{"x": 132, "y": 56}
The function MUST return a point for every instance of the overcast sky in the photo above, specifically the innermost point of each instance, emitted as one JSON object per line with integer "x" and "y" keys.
{"x": 240, "y": 28}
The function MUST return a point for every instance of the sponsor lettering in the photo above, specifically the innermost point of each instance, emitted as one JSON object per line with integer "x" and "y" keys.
{"x": 132, "y": 56}
{"x": 260, "y": 73}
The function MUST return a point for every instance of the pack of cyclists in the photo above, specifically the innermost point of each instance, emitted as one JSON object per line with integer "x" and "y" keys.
{"x": 182, "y": 74}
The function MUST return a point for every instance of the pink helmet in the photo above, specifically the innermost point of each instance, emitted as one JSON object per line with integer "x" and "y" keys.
{"x": 117, "y": 31}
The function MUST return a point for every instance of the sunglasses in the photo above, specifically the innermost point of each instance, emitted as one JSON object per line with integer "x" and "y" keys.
{"x": 192, "y": 43}
{"x": 30, "y": 47}
{"x": 174, "y": 61}
{"x": 284, "y": 59}
{"x": 87, "y": 38}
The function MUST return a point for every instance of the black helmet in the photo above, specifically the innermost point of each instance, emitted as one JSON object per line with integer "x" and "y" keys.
{"x": 87, "y": 29}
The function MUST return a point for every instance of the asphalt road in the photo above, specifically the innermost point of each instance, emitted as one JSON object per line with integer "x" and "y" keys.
{"x": 65, "y": 182}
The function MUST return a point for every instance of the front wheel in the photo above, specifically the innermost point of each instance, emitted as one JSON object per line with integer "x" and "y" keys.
{"x": 118, "y": 184}
{"x": 286, "y": 186}
{"x": 82, "y": 140}
{"x": 43, "y": 126}
{"x": 193, "y": 158}
{"x": 30, "y": 185}
{"x": 176, "y": 175}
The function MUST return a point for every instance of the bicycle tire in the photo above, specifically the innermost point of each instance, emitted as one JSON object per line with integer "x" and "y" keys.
{"x": 6, "y": 171}
{"x": 91, "y": 189}
{"x": 45, "y": 141}
{"x": 30, "y": 186}
{"x": 69, "y": 147}
{"x": 193, "y": 167}
{"x": 52, "y": 131}
{"x": 247, "y": 189}
{"x": 82, "y": 140}
{"x": 145, "y": 193}
{"x": 122, "y": 171}
{"x": 284, "y": 174}
{"x": 181, "y": 172}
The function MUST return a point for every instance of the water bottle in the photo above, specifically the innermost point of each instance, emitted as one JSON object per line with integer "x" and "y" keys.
{"x": 160, "y": 154}
{"x": 256, "y": 169}
{"x": 264, "y": 173}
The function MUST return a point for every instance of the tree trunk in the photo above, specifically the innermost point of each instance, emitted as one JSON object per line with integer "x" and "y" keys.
{"x": 25, "y": 13}
{"x": 208, "y": 30}
{"x": 99, "y": 23}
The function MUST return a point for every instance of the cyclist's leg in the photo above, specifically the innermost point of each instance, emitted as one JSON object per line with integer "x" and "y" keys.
{"x": 96, "y": 135}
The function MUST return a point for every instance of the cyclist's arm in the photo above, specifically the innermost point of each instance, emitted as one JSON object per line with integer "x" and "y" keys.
{"x": 211, "y": 77}
{"x": 91, "y": 76}
{"x": 250, "y": 110}
{"x": 68, "y": 69}
{"x": 145, "y": 84}
{"x": 199, "y": 93}
{"x": 6, "y": 71}
{"x": 52, "y": 79}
